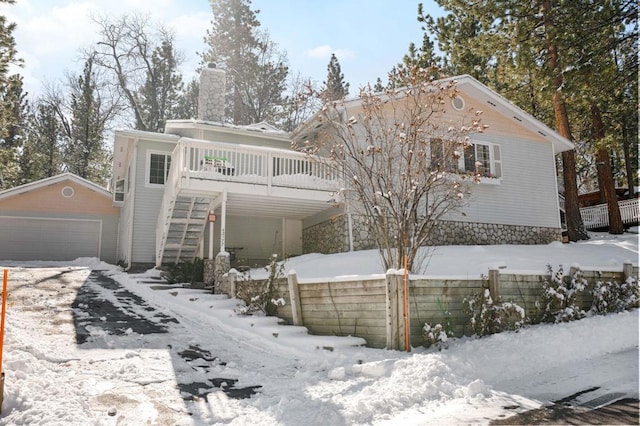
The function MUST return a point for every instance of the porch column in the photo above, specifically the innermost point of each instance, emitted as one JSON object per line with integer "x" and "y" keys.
{"x": 211, "y": 226}
{"x": 223, "y": 261}
{"x": 209, "y": 263}
{"x": 223, "y": 221}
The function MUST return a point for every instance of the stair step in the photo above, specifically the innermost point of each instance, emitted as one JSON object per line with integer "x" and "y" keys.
{"x": 179, "y": 246}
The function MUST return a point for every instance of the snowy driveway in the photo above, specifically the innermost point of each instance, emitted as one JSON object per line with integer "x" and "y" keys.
{"x": 103, "y": 309}
{"x": 107, "y": 348}
{"x": 83, "y": 349}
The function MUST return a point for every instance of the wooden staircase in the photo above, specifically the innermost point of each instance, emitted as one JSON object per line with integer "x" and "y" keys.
{"x": 185, "y": 223}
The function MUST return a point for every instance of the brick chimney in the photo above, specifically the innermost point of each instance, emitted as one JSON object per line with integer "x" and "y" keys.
{"x": 212, "y": 94}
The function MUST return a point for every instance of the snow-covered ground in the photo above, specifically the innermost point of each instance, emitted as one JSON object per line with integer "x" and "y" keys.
{"x": 602, "y": 251}
{"x": 142, "y": 372}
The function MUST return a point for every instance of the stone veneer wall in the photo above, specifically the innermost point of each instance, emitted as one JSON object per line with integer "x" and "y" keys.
{"x": 332, "y": 236}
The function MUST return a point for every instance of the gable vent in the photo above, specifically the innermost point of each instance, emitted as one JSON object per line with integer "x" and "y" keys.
{"x": 457, "y": 103}
{"x": 67, "y": 192}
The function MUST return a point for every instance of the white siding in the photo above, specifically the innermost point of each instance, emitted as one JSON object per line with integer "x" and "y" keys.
{"x": 123, "y": 230}
{"x": 527, "y": 192}
{"x": 147, "y": 204}
{"x": 109, "y": 240}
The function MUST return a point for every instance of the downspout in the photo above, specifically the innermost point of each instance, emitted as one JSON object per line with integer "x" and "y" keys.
{"x": 284, "y": 238}
{"x": 349, "y": 224}
{"x": 133, "y": 200}
{"x": 118, "y": 239}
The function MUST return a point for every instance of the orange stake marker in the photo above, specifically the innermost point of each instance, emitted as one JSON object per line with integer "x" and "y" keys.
{"x": 407, "y": 346}
{"x": 4, "y": 309}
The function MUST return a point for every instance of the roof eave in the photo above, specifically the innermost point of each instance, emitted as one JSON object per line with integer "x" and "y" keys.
{"x": 51, "y": 181}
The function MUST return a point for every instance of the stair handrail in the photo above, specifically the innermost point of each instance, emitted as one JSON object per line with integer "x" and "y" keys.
{"x": 176, "y": 170}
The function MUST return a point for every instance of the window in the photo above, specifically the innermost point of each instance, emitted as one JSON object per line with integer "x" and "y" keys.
{"x": 118, "y": 192}
{"x": 483, "y": 159}
{"x": 444, "y": 156}
{"x": 158, "y": 168}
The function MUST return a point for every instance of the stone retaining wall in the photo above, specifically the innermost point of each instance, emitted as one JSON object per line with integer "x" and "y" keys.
{"x": 332, "y": 236}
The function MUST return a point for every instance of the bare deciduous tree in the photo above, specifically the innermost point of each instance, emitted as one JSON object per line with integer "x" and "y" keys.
{"x": 300, "y": 103}
{"x": 144, "y": 65}
{"x": 399, "y": 154}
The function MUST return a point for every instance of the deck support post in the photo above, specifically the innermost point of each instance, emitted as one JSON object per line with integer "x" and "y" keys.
{"x": 223, "y": 222}
{"x": 223, "y": 259}
{"x": 211, "y": 228}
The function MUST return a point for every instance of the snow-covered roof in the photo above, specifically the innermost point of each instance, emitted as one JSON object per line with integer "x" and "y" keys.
{"x": 262, "y": 126}
{"x": 493, "y": 101}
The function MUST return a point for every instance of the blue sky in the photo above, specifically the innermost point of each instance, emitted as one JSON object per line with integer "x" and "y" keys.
{"x": 368, "y": 36}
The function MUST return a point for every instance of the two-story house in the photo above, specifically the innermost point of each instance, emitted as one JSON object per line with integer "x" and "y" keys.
{"x": 205, "y": 187}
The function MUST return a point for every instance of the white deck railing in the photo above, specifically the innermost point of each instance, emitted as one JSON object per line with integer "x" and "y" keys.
{"x": 255, "y": 165}
{"x": 217, "y": 161}
{"x": 598, "y": 216}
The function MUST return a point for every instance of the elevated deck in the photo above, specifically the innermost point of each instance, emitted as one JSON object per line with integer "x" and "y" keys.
{"x": 244, "y": 180}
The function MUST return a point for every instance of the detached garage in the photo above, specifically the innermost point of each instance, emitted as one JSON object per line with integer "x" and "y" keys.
{"x": 59, "y": 218}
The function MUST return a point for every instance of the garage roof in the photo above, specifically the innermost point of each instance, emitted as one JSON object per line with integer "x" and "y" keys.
{"x": 52, "y": 181}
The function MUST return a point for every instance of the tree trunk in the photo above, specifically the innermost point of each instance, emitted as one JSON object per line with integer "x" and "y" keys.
{"x": 575, "y": 226}
{"x": 603, "y": 163}
{"x": 626, "y": 146}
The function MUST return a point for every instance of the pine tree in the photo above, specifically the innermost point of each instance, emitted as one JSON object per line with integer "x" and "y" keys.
{"x": 423, "y": 57}
{"x": 158, "y": 97}
{"x": 187, "y": 101}
{"x": 41, "y": 155}
{"x": 603, "y": 38}
{"x": 85, "y": 152}
{"x": 515, "y": 46}
{"x": 335, "y": 88}
{"x": 12, "y": 105}
{"x": 256, "y": 69}
{"x": 378, "y": 87}
{"x": 263, "y": 94}
{"x": 461, "y": 35}
{"x": 8, "y": 52}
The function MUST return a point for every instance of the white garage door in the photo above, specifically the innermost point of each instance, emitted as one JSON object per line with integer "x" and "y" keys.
{"x": 48, "y": 239}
